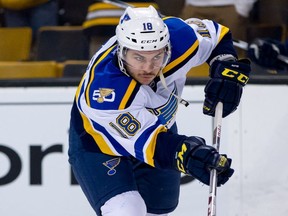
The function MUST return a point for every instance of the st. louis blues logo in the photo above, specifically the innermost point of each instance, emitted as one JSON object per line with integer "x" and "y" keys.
{"x": 125, "y": 18}
{"x": 111, "y": 164}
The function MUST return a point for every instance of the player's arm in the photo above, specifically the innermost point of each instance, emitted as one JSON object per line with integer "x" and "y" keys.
{"x": 228, "y": 75}
{"x": 192, "y": 156}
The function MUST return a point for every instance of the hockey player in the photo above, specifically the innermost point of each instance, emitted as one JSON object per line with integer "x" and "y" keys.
{"x": 124, "y": 147}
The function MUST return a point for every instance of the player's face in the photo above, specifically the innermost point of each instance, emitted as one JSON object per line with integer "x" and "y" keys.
{"x": 144, "y": 66}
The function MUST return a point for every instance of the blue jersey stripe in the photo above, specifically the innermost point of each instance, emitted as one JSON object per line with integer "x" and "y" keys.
{"x": 141, "y": 141}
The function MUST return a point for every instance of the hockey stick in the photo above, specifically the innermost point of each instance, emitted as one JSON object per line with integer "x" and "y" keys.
{"x": 216, "y": 144}
{"x": 244, "y": 45}
{"x": 118, "y": 3}
{"x": 122, "y": 4}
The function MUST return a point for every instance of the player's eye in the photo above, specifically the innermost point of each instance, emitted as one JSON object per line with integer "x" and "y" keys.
{"x": 139, "y": 58}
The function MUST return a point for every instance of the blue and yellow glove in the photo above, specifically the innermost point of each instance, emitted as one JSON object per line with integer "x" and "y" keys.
{"x": 226, "y": 85}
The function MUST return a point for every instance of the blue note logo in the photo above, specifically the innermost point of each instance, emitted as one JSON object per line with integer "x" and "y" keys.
{"x": 111, "y": 165}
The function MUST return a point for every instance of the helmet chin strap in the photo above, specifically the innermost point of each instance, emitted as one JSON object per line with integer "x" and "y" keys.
{"x": 163, "y": 81}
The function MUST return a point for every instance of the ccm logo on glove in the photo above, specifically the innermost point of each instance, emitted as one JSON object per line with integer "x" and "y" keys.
{"x": 180, "y": 158}
{"x": 235, "y": 75}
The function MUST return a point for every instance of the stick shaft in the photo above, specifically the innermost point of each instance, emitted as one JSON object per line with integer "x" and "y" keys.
{"x": 216, "y": 144}
{"x": 123, "y": 5}
{"x": 118, "y": 3}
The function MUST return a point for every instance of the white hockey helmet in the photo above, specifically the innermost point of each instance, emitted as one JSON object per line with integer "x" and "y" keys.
{"x": 141, "y": 29}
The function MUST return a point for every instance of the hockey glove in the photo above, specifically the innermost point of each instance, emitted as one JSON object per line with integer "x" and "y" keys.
{"x": 194, "y": 157}
{"x": 265, "y": 53}
{"x": 225, "y": 85}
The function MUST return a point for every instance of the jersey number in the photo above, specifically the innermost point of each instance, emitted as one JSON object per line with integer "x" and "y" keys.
{"x": 128, "y": 123}
{"x": 147, "y": 26}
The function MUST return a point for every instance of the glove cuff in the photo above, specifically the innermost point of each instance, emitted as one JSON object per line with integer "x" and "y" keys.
{"x": 223, "y": 57}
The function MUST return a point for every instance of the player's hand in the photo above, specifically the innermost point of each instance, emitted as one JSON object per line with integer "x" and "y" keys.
{"x": 264, "y": 52}
{"x": 194, "y": 157}
{"x": 225, "y": 85}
